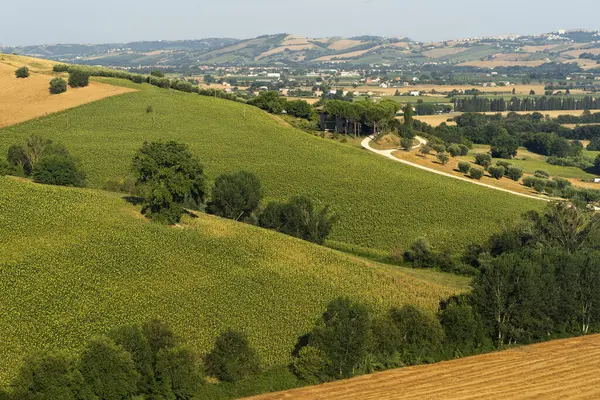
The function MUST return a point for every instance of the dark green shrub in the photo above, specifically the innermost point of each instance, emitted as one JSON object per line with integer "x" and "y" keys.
{"x": 22, "y": 72}
{"x": 56, "y": 169}
{"x": 476, "y": 173}
{"x": 561, "y": 183}
{"x": 6, "y": 168}
{"x": 232, "y": 359}
{"x": 454, "y": 150}
{"x": 502, "y": 163}
{"x": 406, "y": 144}
{"x": 49, "y": 375}
{"x": 464, "y": 150}
{"x": 514, "y": 172}
{"x": 464, "y": 167}
{"x": 58, "y": 86}
{"x": 540, "y": 186}
{"x": 540, "y": 173}
{"x": 137, "y": 79}
{"x": 179, "y": 374}
{"x": 78, "y": 78}
{"x": 312, "y": 365}
{"x": 420, "y": 254}
{"x": 425, "y": 149}
{"x": 17, "y": 157}
{"x": 235, "y": 196}
{"x": 443, "y": 158}
{"x": 438, "y": 147}
{"x": 483, "y": 159}
{"x": 419, "y": 337}
{"x": 496, "y": 171}
{"x": 108, "y": 370}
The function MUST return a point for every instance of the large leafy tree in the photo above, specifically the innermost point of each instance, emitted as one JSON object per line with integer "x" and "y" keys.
{"x": 232, "y": 359}
{"x": 235, "y": 196}
{"x": 172, "y": 179}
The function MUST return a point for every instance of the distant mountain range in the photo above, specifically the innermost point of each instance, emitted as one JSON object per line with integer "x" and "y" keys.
{"x": 290, "y": 50}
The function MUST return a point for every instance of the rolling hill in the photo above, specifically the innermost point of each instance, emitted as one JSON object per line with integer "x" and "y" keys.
{"x": 76, "y": 262}
{"x": 381, "y": 205}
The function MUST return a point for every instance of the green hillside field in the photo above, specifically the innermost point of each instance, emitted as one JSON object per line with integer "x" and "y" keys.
{"x": 77, "y": 262}
{"x": 381, "y": 204}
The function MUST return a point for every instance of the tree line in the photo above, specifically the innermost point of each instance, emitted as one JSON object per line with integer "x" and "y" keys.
{"x": 485, "y": 104}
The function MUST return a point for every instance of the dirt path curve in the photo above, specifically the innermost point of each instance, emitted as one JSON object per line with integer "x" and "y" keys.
{"x": 388, "y": 153}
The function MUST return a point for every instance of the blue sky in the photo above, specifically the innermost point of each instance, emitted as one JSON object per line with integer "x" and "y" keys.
{"x": 74, "y": 21}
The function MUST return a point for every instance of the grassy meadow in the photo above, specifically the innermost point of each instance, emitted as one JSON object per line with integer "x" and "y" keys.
{"x": 381, "y": 204}
{"x": 76, "y": 262}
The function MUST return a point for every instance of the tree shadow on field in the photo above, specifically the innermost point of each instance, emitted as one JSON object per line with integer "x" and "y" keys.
{"x": 135, "y": 200}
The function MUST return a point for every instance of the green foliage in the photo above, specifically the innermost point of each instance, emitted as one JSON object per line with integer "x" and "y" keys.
{"x": 235, "y": 196}
{"x": 58, "y": 86}
{"x": 504, "y": 146}
{"x": 157, "y": 73}
{"x": 454, "y": 150}
{"x": 541, "y": 173}
{"x": 514, "y": 172}
{"x": 59, "y": 170}
{"x": 312, "y": 365}
{"x": 483, "y": 159}
{"x": 476, "y": 173}
{"x": 496, "y": 171}
{"x": 271, "y": 102}
{"x": 49, "y": 376}
{"x": 344, "y": 335}
{"x": 108, "y": 370}
{"x": 172, "y": 178}
{"x": 461, "y": 329}
{"x": 299, "y": 109}
{"x": 232, "y": 359}
{"x": 464, "y": 167}
{"x": 419, "y": 335}
{"x": 78, "y": 78}
{"x": 425, "y": 149}
{"x": 178, "y": 373}
{"x": 299, "y": 218}
{"x": 438, "y": 147}
{"x": 6, "y": 168}
{"x": 443, "y": 158}
{"x": 406, "y": 144}
{"x": 22, "y": 72}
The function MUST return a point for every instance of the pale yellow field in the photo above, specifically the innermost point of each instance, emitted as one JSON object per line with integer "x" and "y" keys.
{"x": 501, "y": 63}
{"x": 309, "y": 100}
{"x": 352, "y": 54}
{"x": 559, "y": 369}
{"x": 577, "y": 53}
{"x": 584, "y": 63}
{"x": 435, "y": 53}
{"x": 519, "y": 89}
{"x": 25, "y": 99}
{"x": 294, "y": 41}
{"x": 281, "y": 49}
{"x": 535, "y": 49}
{"x": 436, "y": 120}
{"x": 344, "y": 44}
{"x": 511, "y": 57}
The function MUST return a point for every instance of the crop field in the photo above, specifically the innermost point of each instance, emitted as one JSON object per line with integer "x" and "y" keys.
{"x": 436, "y": 120}
{"x": 380, "y": 204}
{"x": 519, "y": 89}
{"x": 501, "y": 63}
{"x": 24, "y": 99}
{"x": 76, "y": 262}
{"x": 558, "y": 369}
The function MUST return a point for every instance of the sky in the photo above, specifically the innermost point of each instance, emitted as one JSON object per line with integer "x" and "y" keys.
{"x": 107, "y": 21}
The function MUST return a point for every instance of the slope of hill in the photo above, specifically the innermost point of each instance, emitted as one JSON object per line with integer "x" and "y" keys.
{"x": 284, "y": 49}
{"x": 381, "y": 204}
{"x": 24, "y": 99}
{"x": 554, "y": 370}
{"x": 76, "y": 262}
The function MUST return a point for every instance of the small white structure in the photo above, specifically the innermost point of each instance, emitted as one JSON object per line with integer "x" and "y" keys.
{"x": 383, "y": 86}
{"x": 415, "y": 93}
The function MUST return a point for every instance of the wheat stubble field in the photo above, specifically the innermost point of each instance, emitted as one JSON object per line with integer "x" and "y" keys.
{"x": 559, "y": 369}
{"x": 25, "y": 99}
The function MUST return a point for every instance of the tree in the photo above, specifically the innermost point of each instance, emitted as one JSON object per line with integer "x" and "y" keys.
{"x": 78, "y": 79}
{"x": 235, "y": 196}
{"x": 157, "y": 73}
{"x": 443, "y": 157}
{"x": 22, "y": 72}
{"x": 232, "y": 359}
{"x": 454, "y": 150}
{"x": 406, "y": 144}
{"x": 464, "y": 167}
{"x": 299, "y": 109}
{"x": 108, "y": 370}
{"x": 460, "y": 327}
{"x": 408, "y": 117}
{"x": 55, "y": 169}
{"x": 270, "y": 101}
{"x": 476, "y": 173}
{"x": 344, "y": 334}
{"x": 496, "y": 171}
{"x": 420, "y": 254}
{"x": 17, "y": 157}
{"x": 504, "y": 146}
{"x": 425, "y": 149}
{"x": 48, "y": 376}
{"x": 419, "y": 335}
{"x": 514, "y": 172}
{"x": 208, "y": 79}
{"x": 172, "y": 179}
{"x": 178, "y": 373}
{"x": 483, "y": 159}
{"x": 58, "y": 86}
{"x": 532, "y": 92}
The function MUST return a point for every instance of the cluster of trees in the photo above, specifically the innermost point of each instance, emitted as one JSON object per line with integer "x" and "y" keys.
{"x": 44, "y": 161}
{"x": 273, "y": 103}
{"x": 135, "y": 361}
{"x": 377, "y": 116}
{"x": 485, "y": 104}
{"x": 423, "y": 108}
{"x": 590, "y": 56}
{"x": 586, "y": 118}
{"x": 58, "y": 86}
{"x": 170, "y": 180}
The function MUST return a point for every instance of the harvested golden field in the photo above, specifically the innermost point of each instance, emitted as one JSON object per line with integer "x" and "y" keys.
{"x": 436, "y": 120}
{"x": 352, "y": 54}
{"x": 446, "y": 51}
{"x": 296, "y": 47}
{"x": 34, "y": 64}
{"x": 292, "y": 40}
{"x": 511, "y": 57}
{"x": 583, "y": 63}
{"x": 519, "y": 89}
{"x": 501, "y": 63}
{"x": 25, "y": 99}
{"x": 558, "y": 369}
{"x": 344, "y": 44}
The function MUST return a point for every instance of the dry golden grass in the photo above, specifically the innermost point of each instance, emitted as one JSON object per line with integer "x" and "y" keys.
{"x": 309, "y": 100}
{"x": 511, "y": 57}
{"x": 519, "y": 89}
{"x": 34, "y": 64}
{"x": 281, "y": 49}
{"x": 292, "y": 40}
{"x": 535, "y": 49}
{"x": 25, "y": 99}
{"x": 583, "y": 63}
{"x": 352, "y": 54}
{"x": 558, "y": 369}
{"x": 344, "y": 44}
{"x": 436, "y": 120}
{"x": 447, "y": 51}
{"x": 501, "y": 63}
{"x": 577, "y": 53}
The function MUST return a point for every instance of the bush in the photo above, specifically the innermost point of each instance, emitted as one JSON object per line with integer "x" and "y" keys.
{"x": 464, "y": 150}
{"x": 420, "y": 254}
{"x": 235, "y": 196}
{"x": 438, "y": 147}
{"x": 425, "y": 149}
{"x": 232, "y": 359}
{"x": 443, "y": 158}
{"x": 541, "y": 173}
{"x": 483, "y": 159}
{"x": 502, "y": 163}
{"x": 496, "y": 172}
{"x": 539, "y": 186}
{"x": 476, "y": 173}
{"x": 178, "y": 373}
{"x": 531, "y": 181}
{"x": 157, "y": 73}
{"x": 406, "y": 143}
{"x": 56, "y": 169}
{"x": 6, "y": 168}
{"x": 298, "y": 218}
{"x": 78, "y": 78}
{"x": 514, "y": 172}
{"x": 58, "y": 86}
{"x": 311, "y": 365}
{"x": 464, "y": 167}
{"x": 454, "y": 150}
{"x": 561, "y": 183}
{"x": 22, "y": 72}
{"x": 138, "y": 79}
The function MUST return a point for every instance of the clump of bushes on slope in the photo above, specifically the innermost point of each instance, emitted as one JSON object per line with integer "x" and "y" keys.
{"x": 78, "y": 78}
{"x": 22, "y": 72}
{"x": 58, "y": 86}
{"x": 45, "y": 161}
{"x": 235, "y": 196}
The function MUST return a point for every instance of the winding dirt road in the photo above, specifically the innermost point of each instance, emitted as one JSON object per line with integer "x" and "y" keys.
{"x": 388, "y": 153}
